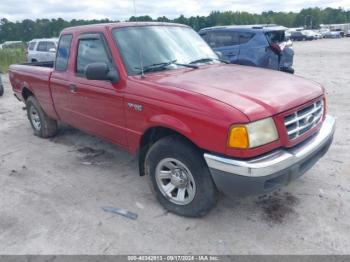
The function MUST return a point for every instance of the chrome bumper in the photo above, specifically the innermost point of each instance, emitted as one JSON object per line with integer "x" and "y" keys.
{"x": 278, "y": 160}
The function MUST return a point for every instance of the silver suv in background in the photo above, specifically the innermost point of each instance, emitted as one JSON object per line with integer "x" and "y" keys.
{"x": 42, "y": 50}
{"x": 253, "y": 45}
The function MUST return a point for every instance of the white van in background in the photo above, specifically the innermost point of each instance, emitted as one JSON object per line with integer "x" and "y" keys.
{"x": 42, "y": 50}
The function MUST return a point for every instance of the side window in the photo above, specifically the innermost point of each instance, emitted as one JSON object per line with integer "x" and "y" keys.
{"x": 50, "y": 45}
{"x": 245, "y": 37}
{"x": 222, "y": 39}
{"x": 63, "y": 52}
{"x": 31, "y": 45}
{"x": 91, "y": 51}
{"x": 41, "y": 47}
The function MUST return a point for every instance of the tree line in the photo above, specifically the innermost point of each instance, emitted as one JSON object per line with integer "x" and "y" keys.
{"x": 311, "y": 18}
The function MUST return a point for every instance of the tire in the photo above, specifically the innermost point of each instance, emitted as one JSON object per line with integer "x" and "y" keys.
{"x": 182, "y": 167}
{"x": 43, "y": 126}
{"x": 1, "y": 90}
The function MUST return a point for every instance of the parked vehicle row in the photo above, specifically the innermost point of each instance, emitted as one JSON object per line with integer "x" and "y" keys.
{"x": 198, "y": 125}
{"x": 333, "y": 34}
{"x": 303, "y": 35}
{"x": 12, "y": 45}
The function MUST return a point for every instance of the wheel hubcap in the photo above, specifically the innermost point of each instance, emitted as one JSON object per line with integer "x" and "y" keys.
{"x": 35, "y": 118}
{"x": 175, "y": 181}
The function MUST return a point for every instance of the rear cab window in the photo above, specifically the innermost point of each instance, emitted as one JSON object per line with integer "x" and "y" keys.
{"x": 63, "y": 51}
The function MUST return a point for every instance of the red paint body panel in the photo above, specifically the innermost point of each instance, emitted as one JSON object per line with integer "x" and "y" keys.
{"x": 256, "y": 92}
{"x": 37, "y": 80}
{"x": 201, "y": 104}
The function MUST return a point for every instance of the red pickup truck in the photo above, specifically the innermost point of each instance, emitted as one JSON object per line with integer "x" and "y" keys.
{"x": 198, "y": 125}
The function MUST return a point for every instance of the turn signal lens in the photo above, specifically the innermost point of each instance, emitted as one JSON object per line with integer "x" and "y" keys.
{"x": 254, "y": 134}
{"x": 238, "y": 137}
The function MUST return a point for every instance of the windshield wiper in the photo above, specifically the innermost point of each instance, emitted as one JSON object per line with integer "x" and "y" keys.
{"x": 186, "y": 65}
{"x": 155, "y": 67}
{"x": 208, "y": 59}
{"x": 161, "y": 66}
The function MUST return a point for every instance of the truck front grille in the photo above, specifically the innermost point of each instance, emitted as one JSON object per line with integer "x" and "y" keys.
{"x": 303, "y": 120}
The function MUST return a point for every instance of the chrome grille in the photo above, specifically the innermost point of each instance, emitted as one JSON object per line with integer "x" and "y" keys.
{"x": 303, "y": 120}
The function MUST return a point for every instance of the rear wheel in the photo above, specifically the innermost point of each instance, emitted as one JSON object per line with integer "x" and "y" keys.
{"x": 42, "y": 125}
{"x": 1, "y": 90}
{"x": 180, "y": 177}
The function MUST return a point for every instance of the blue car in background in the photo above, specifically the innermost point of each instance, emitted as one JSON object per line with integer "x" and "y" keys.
{"x": 252, "y": 45}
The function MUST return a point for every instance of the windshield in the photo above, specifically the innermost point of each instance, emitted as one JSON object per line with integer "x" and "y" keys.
{"x": 149, "y": 45}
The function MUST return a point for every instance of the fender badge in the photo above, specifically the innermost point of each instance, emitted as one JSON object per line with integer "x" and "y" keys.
{"x": 136, "y": 107}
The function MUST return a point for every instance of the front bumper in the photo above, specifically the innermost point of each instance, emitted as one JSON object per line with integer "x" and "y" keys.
{"x": 268, "y": 172}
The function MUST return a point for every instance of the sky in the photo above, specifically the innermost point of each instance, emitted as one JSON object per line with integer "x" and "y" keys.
{"x": 17, "y": 10}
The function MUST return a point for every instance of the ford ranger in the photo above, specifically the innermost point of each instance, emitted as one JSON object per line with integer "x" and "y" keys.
{"x": 199, "y": 126}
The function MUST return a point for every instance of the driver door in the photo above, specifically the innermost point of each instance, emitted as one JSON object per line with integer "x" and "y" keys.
{"x": 96, "y": 106}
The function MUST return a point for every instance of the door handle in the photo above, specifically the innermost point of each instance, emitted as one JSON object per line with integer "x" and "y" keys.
{"x": 72, "y": 88}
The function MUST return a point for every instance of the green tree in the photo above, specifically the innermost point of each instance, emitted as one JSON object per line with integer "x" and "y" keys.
{"x": 311, "y": 17}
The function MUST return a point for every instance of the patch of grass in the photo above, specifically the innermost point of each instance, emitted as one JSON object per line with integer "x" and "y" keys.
{"x": 11, "y": 56}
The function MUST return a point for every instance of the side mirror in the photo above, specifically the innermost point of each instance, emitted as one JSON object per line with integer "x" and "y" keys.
{"x": 101, "y": 71}
{"x": 52, "y": 50}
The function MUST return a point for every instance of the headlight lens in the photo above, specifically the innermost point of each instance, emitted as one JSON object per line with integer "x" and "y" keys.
{"x": 254, "y": 134}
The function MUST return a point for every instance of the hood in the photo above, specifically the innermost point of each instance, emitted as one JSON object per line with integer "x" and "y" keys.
{"x": 256, "y": 92}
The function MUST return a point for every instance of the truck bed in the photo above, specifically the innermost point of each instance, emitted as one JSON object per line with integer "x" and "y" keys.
{"x": 25, "y": 76}
{"x": 49, "y": 64}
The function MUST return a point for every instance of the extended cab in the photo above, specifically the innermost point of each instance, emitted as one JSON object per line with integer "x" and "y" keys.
{"x": 198, "y": 125}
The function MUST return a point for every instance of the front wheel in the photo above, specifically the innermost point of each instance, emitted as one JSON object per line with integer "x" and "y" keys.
{"x": 180, "y": 177}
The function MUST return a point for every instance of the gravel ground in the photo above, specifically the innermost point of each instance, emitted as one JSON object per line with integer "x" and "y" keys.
{"x": 52, "y": 191}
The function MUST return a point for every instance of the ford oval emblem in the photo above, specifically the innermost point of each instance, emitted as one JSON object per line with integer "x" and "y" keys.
{"x": 309, "y": 119}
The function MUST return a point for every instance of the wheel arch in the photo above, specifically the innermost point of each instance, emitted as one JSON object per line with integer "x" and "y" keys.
{"x": 152, "y": 135}
{"x": 26, "y": 92}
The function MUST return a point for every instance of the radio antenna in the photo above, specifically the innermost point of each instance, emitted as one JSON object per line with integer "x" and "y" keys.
{"x": 140, "y": 50}
{"x": 134, "y": 8}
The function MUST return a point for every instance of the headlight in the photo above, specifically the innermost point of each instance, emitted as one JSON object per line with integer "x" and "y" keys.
{"x": 254, "y": 134}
